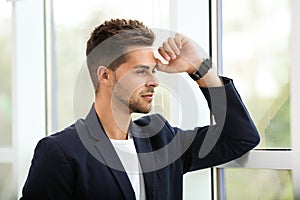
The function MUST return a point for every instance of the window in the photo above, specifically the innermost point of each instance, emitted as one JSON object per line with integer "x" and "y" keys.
{"x": 5, "y": 75}
{"x": 258, "y": 184}
{"x": 256, "y": 54}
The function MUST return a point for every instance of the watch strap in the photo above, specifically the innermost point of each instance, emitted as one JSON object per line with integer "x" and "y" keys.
{"x": 203, "y": 69}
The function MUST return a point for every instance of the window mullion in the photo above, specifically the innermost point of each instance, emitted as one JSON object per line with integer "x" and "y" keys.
{"x": 295, "y": 95}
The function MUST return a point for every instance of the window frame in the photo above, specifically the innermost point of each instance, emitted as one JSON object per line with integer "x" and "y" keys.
{"x": 28, "y": 87}
{"x": 295, "y": 95}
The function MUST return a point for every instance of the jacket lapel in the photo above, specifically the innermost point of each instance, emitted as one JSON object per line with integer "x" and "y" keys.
{"x": 146, "y": 158}
{"x": 98, "y": 144}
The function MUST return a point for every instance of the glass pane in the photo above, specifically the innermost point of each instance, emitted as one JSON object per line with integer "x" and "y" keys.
{"x": 6, "y": 189}
{"x": 73, "y": 29}
{"x": 5, "y": 74}
{"x": 249, "y": 184}
{"x": 256, "y": 55}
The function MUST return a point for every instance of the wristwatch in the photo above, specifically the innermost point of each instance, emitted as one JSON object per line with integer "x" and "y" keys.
{"x": 203, "y": 69}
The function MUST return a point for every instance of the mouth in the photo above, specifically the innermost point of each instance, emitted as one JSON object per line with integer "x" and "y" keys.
{"x": 148, "y": 96}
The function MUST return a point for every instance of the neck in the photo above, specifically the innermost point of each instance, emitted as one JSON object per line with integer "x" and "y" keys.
{"x": 114, "y": 119}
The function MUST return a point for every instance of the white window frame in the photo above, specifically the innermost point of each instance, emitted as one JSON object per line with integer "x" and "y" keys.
{"x": 28, "y": 86}
{"x": 295, "y": 95}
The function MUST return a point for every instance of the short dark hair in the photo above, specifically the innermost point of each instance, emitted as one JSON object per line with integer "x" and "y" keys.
{"x": 109, "y": 42}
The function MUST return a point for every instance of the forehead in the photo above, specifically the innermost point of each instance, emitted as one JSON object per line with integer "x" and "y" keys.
{"x": 142, "y": 56}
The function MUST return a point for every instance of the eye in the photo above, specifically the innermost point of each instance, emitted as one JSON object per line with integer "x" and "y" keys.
{"x": 141, "y": 71}
{"x": 154, "y": 71}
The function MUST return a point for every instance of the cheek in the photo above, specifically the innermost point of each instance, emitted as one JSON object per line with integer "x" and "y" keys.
{"x": 131, "y": 83}
{"x": 127, "y": 89}
{"x": 136, "y": 93}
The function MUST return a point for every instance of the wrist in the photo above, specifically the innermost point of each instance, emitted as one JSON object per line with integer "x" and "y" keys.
{"x": 195, "y": 66}
{"x": 203, "y": 69}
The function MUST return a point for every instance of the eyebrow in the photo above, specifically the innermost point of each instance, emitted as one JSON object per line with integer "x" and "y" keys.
{"x": 145, "y": 66}
{"x": 142, "y": 66}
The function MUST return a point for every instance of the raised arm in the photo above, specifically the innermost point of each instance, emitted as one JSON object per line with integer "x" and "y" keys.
{"x": 233, "y": 133}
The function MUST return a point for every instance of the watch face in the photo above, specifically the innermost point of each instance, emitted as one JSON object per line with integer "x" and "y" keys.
{"x": 203, "y": 69}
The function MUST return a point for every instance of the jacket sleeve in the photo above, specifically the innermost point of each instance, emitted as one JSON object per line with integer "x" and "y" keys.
{"x": 231, "y": 136}
{"x": 50, "y": 175}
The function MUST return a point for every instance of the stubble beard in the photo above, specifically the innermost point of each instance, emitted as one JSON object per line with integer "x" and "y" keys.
{"x": 133, "y": 105}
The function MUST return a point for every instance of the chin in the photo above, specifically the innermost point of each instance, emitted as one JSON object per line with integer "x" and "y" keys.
{"x": 141, "y": 111}
{"x": 140, "y": 108}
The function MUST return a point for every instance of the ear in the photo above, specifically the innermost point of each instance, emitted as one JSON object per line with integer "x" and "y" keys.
{"x": 103, "y": 74}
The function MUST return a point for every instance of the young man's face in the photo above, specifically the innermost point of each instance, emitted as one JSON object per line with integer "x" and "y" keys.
{"x": 135, "y": 81}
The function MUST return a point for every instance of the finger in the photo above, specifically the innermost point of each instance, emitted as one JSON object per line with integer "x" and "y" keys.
{"x": 173, "y": 45}
{"x": 184, "y": 40}
{"x": 178, "y": 39}
{"x": 168, "y": 49}
{"x": 164, "y": 54}
{"x": 165, "y": 68}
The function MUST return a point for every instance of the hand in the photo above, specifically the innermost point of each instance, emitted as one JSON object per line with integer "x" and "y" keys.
{"x": 181, "y": 55}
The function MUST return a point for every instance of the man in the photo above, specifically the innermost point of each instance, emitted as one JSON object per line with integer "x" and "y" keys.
{"x": 109, "y": 156}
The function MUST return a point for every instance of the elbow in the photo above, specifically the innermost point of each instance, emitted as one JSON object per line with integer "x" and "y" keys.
{"x": 256, "y": 137}
{"x": 254, "y": 140}
{"x": 250, "y": 142}
{"x": 257, "y": 140}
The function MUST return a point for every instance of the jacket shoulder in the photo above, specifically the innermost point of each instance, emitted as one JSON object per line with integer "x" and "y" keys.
{"x": 67, "y": 141}
{"x": 149, "y": 119}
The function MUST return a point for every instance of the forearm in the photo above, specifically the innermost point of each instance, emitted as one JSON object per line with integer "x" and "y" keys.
{"x": 230, "y": 113}
{"x": 232, "y": 135}
{"x": 210, "y": 79}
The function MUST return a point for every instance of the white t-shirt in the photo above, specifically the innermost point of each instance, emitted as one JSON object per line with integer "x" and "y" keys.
{"x": 128, "y": 156}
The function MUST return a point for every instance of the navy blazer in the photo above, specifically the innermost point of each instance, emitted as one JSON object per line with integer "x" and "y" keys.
{"x": 81, "y": 163}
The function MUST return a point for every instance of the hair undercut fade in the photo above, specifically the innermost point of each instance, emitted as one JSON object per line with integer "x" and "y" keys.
{"x": 109, "y": 43}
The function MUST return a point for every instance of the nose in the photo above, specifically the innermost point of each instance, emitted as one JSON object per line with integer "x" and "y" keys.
{"x": 152, "y": 81}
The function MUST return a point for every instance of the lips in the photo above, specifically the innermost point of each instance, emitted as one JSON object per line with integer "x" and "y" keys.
{"x": 148, "y": 96}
